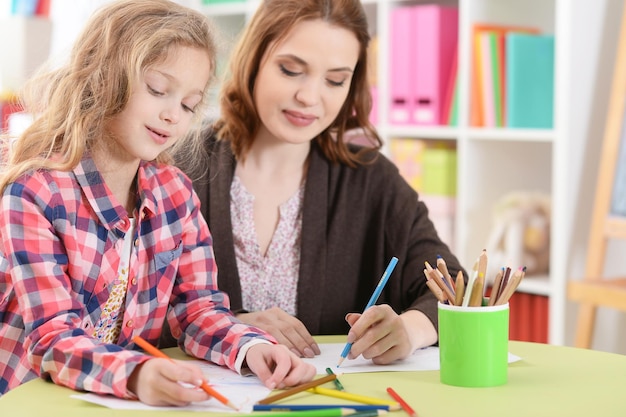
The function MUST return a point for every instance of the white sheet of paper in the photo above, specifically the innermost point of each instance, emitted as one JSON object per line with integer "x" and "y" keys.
{"x": 243, "y": 391}
{"x": 426, "y": 359}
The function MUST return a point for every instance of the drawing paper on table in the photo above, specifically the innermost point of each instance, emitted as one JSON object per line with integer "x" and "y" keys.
{"x": 243, "y": 391}
{"x": 426, "y": 359}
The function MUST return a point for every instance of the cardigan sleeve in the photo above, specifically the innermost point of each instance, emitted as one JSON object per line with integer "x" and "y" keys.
{"x": 412, "y": 236}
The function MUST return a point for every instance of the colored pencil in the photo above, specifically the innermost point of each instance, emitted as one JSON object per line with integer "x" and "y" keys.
{"x": 297, "y": 389}
{"x": 407, "y": 408}
{"x": 470, "y": 285}
{"x": 355, "y": 397}
{"x": 372, "y": 301}
{"x": 338, "y": 384}
{"x": 435, "y": 289}
{"x": 303, "y": 407}
{"x": 511, "y": 286}
{"x": 439, "y": 279}
{"x": 320, "y": 412}
{"x": 443, "y": 268}
{"x": 142, "y": 343}
{"x": 460, "y": 288}
{"x": 476, "y": 297}
{"x": 368, "y": 413}
{"x": 496, "y": 288}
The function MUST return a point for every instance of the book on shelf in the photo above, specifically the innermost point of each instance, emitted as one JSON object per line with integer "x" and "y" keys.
{"x": 530, "y": 80}
{"x": 528, "y": 317}
{"x": 451, "y": 101}
{"x": 401, "y": 66}
{"x": 9, "y": 105}
{"x": 488, "y": 85}
{"x": 436, "y": 35}
{"x": 430, "y": 168}
{"x": 422, "y": 49}
{"x": 439, "y": 167}
{"x": 406, "y": 153}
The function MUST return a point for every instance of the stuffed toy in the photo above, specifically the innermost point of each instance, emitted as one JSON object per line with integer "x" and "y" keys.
{"x": 521, "y": 233}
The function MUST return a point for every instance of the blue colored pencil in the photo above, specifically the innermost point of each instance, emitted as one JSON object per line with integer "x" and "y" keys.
{"x": 303, "y": 407}
{"x": 372, "y": 301}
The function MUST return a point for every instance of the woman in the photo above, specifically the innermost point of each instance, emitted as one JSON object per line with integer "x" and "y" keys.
{"x": 305, "y": 223}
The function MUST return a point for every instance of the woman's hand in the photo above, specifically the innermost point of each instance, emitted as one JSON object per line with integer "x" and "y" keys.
{"x": 278, "y": 367}
{"x": 285, "y": 328}
{"x": 161, "y": 382}
{"x": 383, "y": 336}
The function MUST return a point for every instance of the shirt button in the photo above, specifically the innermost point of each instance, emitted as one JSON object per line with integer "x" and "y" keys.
{"x": 136, "y": 243}
{"x": 129, "y": 323}
{"x": 133, "y": 281}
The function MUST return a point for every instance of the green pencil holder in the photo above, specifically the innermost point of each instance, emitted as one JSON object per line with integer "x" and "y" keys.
{"x": 473, "y": 345}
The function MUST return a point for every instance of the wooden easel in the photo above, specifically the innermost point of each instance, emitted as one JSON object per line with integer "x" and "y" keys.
{"x": 596, "y": 290}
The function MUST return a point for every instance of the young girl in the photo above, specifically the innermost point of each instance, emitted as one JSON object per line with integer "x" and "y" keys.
{"x": 305, "y": 224}
{"x": 100, "y": 234}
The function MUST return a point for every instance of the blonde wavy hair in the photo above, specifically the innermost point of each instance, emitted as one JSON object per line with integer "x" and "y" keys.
{"x": 72, "y": 104}
{"x": 239, "y": 120}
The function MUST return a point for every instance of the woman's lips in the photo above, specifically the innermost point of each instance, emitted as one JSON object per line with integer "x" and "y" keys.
{"x": 299, "y": 119}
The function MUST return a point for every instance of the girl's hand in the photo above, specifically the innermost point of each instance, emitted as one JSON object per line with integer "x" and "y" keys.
{"x": 161, "y": 382}
{"x": 278, "y": 367}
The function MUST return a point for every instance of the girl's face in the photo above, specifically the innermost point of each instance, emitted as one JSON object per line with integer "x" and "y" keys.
{"x": 304, "y": 80}
{"x": 161, "y": 107}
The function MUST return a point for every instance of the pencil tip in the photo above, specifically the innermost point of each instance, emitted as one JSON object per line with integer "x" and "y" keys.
{"x": 340, "y": 362}
{"x": 233, "y": 406}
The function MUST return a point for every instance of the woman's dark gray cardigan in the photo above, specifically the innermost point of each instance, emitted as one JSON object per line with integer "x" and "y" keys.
{"x": 354, "y": 221}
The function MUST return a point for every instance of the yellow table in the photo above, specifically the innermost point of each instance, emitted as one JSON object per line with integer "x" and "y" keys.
{"x": 548, "y": 381}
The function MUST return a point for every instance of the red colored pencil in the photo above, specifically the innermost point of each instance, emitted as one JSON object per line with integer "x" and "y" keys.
{"x": 402, "y": 403}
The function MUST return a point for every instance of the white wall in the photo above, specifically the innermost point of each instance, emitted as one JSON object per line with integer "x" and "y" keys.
{"x": 69, "y": 17}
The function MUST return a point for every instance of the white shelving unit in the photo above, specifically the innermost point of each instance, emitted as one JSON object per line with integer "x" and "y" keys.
{"x": 491, "y": 162}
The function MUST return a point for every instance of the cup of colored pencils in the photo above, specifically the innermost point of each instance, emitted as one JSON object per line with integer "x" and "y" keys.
{"x": 458, "y": 292}
{"x": 473, "y": 329}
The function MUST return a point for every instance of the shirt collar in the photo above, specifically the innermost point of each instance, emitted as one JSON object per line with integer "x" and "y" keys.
{"x": 100, "y": 198}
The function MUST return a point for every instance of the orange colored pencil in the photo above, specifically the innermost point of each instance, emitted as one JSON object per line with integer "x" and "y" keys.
{"x": 142, "y": 343}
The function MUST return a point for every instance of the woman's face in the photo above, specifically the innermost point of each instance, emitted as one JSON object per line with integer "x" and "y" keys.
{"x": 304, "y": 80}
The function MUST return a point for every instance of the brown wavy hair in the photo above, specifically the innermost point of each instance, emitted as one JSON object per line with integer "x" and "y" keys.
{"x": 73, "y": 103}
{"x": 239, "y": 120}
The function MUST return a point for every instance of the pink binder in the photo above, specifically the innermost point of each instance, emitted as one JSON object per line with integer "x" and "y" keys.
{"x": 401, "y": 66}
{"x": 436, "y": 36}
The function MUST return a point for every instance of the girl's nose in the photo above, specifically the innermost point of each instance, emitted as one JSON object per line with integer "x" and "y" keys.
{"x": 171, "y": 114}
